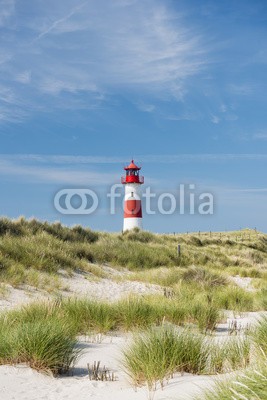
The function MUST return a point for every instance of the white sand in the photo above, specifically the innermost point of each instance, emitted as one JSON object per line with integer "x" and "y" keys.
{"x": 80, "y": 285}
{"x": 107, "y": 289}
{"x": 17, "y": 297}
{"x": 243, "y": 282}
{"x": 24, "y": 383}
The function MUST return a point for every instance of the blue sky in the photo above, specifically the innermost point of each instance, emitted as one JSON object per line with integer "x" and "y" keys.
{"x": 178, "y": 85}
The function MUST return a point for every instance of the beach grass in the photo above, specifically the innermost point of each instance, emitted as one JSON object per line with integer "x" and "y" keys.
{"x": 157, "y": 353}
{"x": 89, "y": 315}
{"x": 43, "y": 336}
{"x": 48, "y": 344}
{"x": 46, "y": 246}
{"x": 259, "y": 335}
{"x": 247, "y": 385}
{"x": 250, "y": 383}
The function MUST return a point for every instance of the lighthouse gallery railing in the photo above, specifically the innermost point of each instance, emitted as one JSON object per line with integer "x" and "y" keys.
{"x": 132, "y": 179}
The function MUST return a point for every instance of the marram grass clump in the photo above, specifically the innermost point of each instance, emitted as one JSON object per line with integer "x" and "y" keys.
{"x": 47, "y": 344}
{"x": 89, "y": 315}
{"x": 159, "y": 352}
{"x": 249, "y": 385}
{"x": 259, "y": 335}
{"x": 156, "y": 354}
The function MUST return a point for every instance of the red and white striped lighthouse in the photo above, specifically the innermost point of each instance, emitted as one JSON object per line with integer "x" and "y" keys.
{"x": 132, "y": 201}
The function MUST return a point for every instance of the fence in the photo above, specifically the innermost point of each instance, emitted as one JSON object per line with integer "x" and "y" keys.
{"x": 233, "y": 235}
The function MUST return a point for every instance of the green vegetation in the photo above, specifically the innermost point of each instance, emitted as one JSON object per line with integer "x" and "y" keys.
{"x": 259, "y": 335}
{"x": 43, "y": 336}
{"x": 88, "y": 316}
{"x": 156, "y": 354}
{"x": 137, "y": 313}
{"x": 34, "y": 253}
{"x": 250, "y": 385}
{"x": 38, "y": 337}
{"x": 197, "y": 287}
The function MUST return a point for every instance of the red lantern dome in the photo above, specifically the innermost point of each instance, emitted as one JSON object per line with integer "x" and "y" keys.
{"x": 132, "y": 165}
{"x": 132, "y": 174}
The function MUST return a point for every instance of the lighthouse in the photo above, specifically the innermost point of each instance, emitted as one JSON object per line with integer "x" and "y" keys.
{"x": 132, "y": 200}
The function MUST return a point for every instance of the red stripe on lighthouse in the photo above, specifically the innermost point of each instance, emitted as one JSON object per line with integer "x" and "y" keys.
{"x": 132, "y": 209}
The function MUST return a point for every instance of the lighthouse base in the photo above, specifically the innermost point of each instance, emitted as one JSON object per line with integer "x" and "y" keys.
{"x": 131, "y": 223}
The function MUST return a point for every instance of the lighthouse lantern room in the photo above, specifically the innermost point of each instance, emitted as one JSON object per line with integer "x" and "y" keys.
{"x": 132, "y": 201}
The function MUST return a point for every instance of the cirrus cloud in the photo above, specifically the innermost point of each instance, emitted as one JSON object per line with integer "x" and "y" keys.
{"x": 97, "y": 48}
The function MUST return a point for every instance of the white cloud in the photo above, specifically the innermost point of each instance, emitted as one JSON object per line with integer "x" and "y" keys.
{"x": 5, "y": 56}
{"x": 100, "y": 47}
{"x": 56, "y": 86}
{"x": 13, "y": 107}
{"x": 245, "y": 89}
{"x": 6, "y": 95}
{"x": 146, "y": 107}
{"x": 231, "y": 117}
{"x": 187, "y": 116}
{"x": 215, "y": 119}
{"x": 137, "y": 44}
{"x": 35, "y": 173}
{"x": 61, "y": 21}
{"x": 24, "y": 77}
{"x": 251, "y": 190}
{"x": 148, "y": 158}
{"x": 60, "y": 159}
{"x": 223, "y": 108}
{"x": 260, "y": 136}
{"x": 7, "y": 8}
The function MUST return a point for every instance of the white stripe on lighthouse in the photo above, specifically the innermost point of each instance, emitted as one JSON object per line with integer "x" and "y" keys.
{"x": 131, "y": 223}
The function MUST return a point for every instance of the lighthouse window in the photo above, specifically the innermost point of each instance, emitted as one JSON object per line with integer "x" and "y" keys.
{"x": 132, "y": 172}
